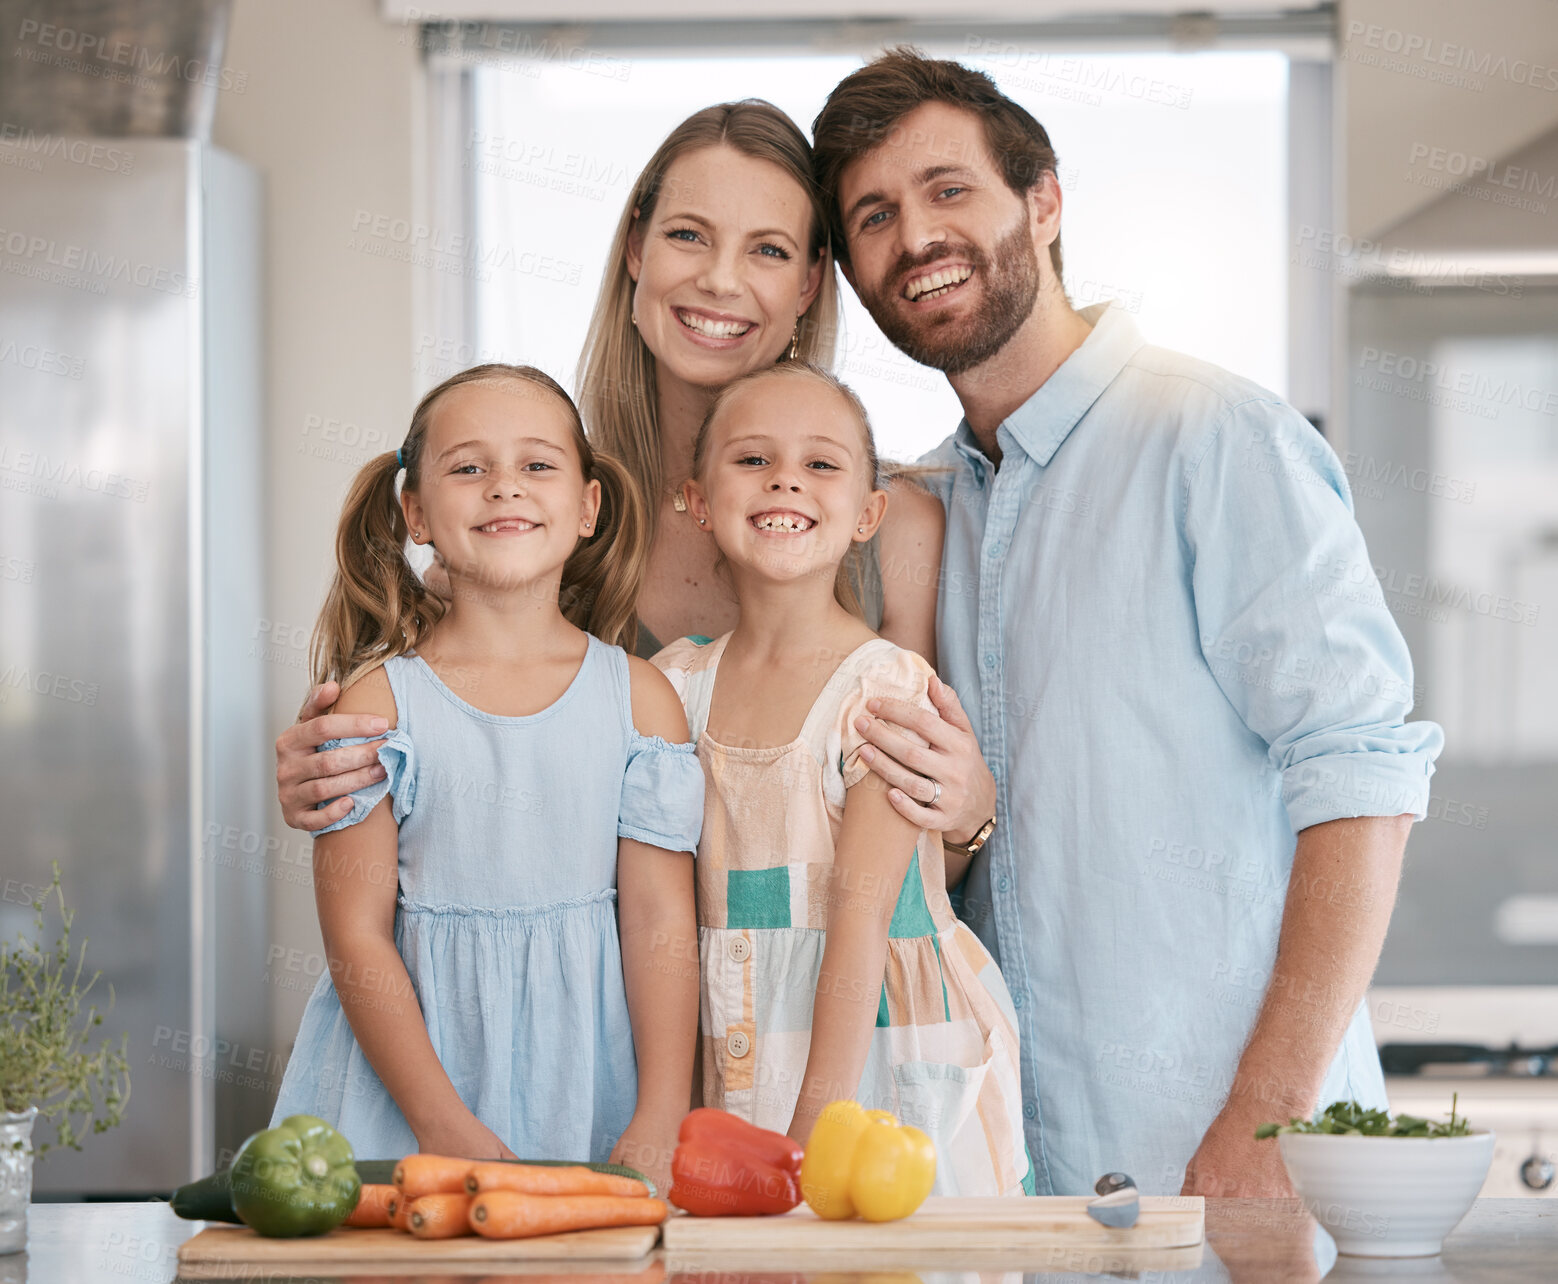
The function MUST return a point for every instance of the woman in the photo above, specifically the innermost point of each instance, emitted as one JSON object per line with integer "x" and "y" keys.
{"x": 719, "y": 265}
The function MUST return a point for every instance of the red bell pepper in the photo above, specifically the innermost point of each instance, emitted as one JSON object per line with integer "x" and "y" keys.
{"x": 726, "y": 1167}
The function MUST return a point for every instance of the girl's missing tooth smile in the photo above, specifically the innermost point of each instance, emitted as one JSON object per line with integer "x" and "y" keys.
{"x": 785, "y": 474}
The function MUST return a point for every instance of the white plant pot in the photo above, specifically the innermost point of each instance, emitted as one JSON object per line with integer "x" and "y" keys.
{"x": 1387, "y": 1196}
{"x": 15, "y": 1177}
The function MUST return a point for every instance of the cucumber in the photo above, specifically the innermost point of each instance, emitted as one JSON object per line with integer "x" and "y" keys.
{"x": 208, "y": 1200}
{"x": 377, "y": 1172}
{"x": 211, "y": 1198}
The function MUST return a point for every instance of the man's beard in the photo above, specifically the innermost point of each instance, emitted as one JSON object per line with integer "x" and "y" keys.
{"x": 953, "y": 346}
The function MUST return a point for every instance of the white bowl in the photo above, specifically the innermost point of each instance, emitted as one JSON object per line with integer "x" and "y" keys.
{"x": 1387, "y": 1196}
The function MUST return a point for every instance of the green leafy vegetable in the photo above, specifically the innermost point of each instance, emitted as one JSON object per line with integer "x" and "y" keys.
{"x": 46, "y": 1057}
{"x": 1348, "y": 1117}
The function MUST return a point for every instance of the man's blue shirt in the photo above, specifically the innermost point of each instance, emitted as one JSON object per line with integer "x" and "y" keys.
{"x": 1161, "y": 618}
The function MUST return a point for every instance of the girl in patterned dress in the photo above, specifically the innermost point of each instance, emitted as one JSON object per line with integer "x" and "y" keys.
{"x": 831, "y": 964}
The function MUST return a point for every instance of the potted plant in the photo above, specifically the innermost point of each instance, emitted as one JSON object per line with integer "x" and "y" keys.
{"x": 47, "y": 1066}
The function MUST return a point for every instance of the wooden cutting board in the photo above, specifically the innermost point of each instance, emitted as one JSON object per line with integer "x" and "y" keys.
{"x": 1044, "y": 1222}
{"x": 233, "y": 1252}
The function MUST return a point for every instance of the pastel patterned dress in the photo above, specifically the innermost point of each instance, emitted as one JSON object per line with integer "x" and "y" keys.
{"x": 506, "y": 911}
{"x": 943, "y": 1055}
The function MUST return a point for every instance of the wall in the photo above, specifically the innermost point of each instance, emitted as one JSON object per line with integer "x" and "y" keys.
{"x": 1475, "y": 79}
{"x": 330, "y": 114}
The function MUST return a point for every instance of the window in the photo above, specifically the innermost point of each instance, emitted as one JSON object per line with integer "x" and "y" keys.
{"x": 1173, "y": 169}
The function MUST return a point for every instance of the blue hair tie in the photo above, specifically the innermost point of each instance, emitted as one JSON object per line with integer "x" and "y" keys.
{"x": 399, "y": 463}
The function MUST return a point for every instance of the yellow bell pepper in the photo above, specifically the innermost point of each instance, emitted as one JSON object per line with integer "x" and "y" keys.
{"x": 829, "y": 1159}
{"x": 895, "y": 1167}
{"x": 864, "y": 1162}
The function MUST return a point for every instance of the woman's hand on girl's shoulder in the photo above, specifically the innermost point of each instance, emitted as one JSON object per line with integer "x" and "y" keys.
{"x": 909, "y": 543}
{"x": 305, "y": 777}
{"x": 657, "y": 709}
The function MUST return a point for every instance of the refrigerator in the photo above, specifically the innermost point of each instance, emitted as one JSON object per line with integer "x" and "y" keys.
{"x": 132, "y": 693}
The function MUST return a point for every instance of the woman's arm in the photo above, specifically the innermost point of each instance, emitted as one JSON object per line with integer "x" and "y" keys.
{"x": 355, "y": 880}
{"x": 910, "y": 546}
{"x": 874, "y": 849}
{"x": 659, "y": 931}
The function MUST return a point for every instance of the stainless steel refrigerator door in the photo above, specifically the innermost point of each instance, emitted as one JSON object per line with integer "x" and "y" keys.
{"x": 239, "y": 859}
{"x": 103, "y": 621}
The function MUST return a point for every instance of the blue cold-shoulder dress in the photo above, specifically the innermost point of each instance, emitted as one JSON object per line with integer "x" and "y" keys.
{"x": 506, "y": 910}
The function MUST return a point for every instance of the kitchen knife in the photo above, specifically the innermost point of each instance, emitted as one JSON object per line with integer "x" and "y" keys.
{"x": 1117, "y": 1203}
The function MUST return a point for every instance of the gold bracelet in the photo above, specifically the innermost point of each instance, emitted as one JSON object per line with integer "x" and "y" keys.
{"x": 973, "y": 845}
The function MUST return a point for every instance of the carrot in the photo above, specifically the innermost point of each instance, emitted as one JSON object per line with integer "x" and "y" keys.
{"x": 440, "y": 1216}
{"x": 507, "y": 1214}
{"x": 399, "y": 1209}
{"x": 419, "y": 1175}
{"x": 372, "y": 1207}
{"x": 533, "y": 1179}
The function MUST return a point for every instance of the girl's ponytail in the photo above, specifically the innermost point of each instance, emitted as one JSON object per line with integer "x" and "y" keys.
{"x": 601, "y": 580}
{"x": 376, "y": 606}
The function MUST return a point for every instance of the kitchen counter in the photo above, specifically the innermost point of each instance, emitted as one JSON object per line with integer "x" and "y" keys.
{"x": 1260, "y": 1241}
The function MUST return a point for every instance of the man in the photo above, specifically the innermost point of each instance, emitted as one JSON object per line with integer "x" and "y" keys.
{"x": 1160, "y": 614}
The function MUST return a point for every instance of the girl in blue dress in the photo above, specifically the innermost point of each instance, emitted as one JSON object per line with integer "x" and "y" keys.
{"x": 508, "y": 913}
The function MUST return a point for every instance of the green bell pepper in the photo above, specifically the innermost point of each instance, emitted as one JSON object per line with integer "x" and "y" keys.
{"x": 295, "y": 1179}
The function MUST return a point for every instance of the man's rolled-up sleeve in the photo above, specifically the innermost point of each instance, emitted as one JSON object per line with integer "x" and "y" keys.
{"x": 1293, "y": 623}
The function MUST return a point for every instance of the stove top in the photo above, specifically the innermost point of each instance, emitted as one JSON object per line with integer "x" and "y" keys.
{"x": 1467, "y": 1060}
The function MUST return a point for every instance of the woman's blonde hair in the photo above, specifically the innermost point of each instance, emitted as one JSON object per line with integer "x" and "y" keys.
{"x": 617, "y": 370}
{"x": 377, "y": 607}
{"x": 849, "y": 583}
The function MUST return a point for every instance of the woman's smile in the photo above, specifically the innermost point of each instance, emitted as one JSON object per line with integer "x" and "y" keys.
{"x": 720, "y": 330}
